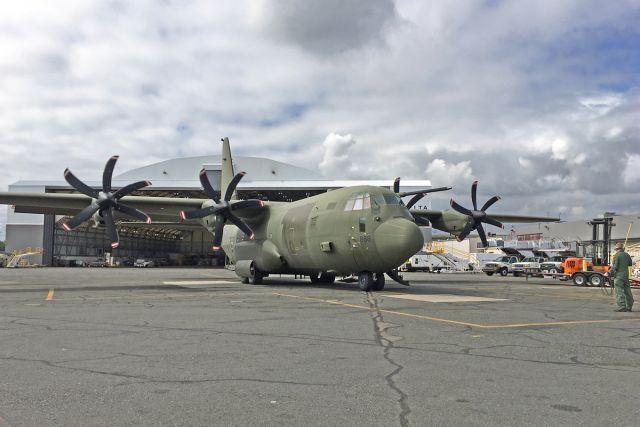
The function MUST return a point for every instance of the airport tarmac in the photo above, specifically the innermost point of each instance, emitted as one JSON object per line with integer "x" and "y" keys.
{"x": 162, "y": 346}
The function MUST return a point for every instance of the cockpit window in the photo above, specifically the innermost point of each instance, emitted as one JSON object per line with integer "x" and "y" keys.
{"x": 358, "y": 201}
{"x": 391, "y": 199}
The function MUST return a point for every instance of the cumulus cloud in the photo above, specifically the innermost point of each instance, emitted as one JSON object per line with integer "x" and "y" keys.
{"x": 336, "y": 161}
{"x": 326, "y": 27}
{"x": 538, "y": 100}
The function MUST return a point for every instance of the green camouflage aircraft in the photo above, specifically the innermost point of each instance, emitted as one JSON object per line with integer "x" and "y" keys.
{"x": 364, "y": 231}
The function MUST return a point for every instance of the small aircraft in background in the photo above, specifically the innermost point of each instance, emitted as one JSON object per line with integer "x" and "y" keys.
{"x": 364, "y": 231}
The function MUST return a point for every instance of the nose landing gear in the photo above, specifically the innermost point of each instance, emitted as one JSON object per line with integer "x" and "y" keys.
{"x": 368, "y": 282}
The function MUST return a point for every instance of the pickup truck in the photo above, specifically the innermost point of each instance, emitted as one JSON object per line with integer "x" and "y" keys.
{"x": 502, "y": 265}
{"x": 529, "y": 265}
{"x": 553, "y": 265}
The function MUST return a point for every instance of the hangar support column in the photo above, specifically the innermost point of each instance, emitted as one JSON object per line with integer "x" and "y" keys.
{"x": 48, "y": 237}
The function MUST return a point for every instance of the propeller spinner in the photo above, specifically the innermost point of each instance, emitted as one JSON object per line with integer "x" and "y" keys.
{"x": 477, "y": 216}
{"x": 223, "y": 209}
{"x": 104, "y": 202}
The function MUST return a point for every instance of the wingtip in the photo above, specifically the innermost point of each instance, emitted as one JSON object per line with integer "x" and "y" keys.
{"x": 148, "y": 183}
{"x": 183, "y": 215}
{"x": 202, "y": 172}
{"x": 114, "y": 245}
{"x": 215, "y": 248}
{"x": 115, "y": 157}
{"x": 66, "y": 227}
{"x": 253, "y": 236}
{"x": 148, "y": 221}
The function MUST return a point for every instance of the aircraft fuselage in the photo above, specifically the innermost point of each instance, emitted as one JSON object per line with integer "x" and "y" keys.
{"x": 342, "y": 232}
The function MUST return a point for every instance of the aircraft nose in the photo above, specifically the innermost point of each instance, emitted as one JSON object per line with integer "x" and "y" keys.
{"x": 397, "y": 239}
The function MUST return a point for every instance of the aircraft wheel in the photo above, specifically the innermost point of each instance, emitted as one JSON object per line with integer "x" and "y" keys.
{"x": 328, "y": 278}
{"x": 504, "y": 271}
{"x": 245, "y": 280}
{"x": 378, "y": 283}
{"x": 315, "y": 277}
{"x": 365, "y": 281}
{"x": 257, "y": 277}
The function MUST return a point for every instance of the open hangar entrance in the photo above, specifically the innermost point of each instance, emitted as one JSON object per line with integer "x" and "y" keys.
{"x": 165, "y": 244}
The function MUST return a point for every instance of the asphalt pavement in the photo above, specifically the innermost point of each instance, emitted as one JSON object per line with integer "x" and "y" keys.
{"x": 165, "y": 346}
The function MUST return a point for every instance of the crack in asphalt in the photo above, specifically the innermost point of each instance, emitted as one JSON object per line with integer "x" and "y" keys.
{"x": 386, "y": 341}
{"x": 463, "y": 350}
{"x": 143, "y": 379}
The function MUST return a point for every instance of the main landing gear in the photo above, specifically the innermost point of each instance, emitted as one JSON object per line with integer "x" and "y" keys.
{"x": 368, "y": 281}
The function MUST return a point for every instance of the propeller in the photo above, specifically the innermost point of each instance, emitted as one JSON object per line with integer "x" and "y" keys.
{"x": 105, "y": 202}
{"x": 223, "y": 209}
{"x": 478, "y": 216}
{"x": 417, "y": 196}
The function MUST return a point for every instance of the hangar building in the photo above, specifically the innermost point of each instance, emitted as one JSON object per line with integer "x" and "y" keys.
{"x": 266, "y": 179}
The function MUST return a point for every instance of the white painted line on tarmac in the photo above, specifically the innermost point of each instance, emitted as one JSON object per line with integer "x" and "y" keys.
{"x": 199, "y": 282}
{"x": 443, "y": 298}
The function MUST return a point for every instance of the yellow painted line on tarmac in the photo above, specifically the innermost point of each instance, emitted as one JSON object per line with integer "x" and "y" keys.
{"x": 50, "y": 295}
{"x": 456, "y": 322}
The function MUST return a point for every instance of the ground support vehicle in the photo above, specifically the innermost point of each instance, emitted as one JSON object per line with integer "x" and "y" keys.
{"x": 553, "y": 265}
{"x": 501, "y": 266}
{"x": 143, "y": 263}
{"x": 582, "y": 272}
{"x": 528, "y": 266}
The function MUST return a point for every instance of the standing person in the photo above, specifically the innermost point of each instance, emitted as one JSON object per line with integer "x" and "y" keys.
{"x": 619, "y": 271}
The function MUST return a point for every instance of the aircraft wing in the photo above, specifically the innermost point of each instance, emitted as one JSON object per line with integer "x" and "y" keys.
{"x": 158, "y": 208}
{"x": 521, "y": 218}
{"x": 434, "y": 215}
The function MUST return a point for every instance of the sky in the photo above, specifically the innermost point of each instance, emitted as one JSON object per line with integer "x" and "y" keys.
{"x": 538, "y": 100}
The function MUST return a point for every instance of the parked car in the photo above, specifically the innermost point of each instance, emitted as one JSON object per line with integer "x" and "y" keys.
{"x": 141, "y": 262}
{"x": 502, "y": 265}
{"x": 529, "y": 265}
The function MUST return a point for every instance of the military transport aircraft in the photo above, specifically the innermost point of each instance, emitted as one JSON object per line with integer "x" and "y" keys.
{"x": 363, "y": 231}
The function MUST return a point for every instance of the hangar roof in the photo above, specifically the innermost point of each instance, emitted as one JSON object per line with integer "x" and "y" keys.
{"x": 188, "y": 168}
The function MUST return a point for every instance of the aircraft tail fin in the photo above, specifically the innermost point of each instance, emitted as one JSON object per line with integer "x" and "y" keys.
{"x": 227, "y": 167}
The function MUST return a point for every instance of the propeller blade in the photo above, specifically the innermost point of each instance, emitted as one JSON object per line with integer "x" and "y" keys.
{"x": 232, "y": 185}
{"x": 483, "y": 237}
{"x": 127, "y": 189}
{"x": 217, "y": 235}
{"x": 133, "y": 212}
{"x": 247, "y": 204}
{"x": 474, "y": 190}
{"x": 199, "y": 213}
{"x": 490, "y": 202}
{"x": 394, "y": 275}
{"x": 111, "y": 228}
{"x": 81, "y": 217}
{"x": 241, "y": 225}
{"x": 493, "y": 222}
{"x": 466, "y": 230}
{"x": 396, "y": 185}
{"x": 79, "y": 185}
{"x": 108, "y": 173}
{"x": 414, "y": 200}
{"x": 460, "y": 209}
{"x": 208, "y": 189}
{"x": 425, "y": 191}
